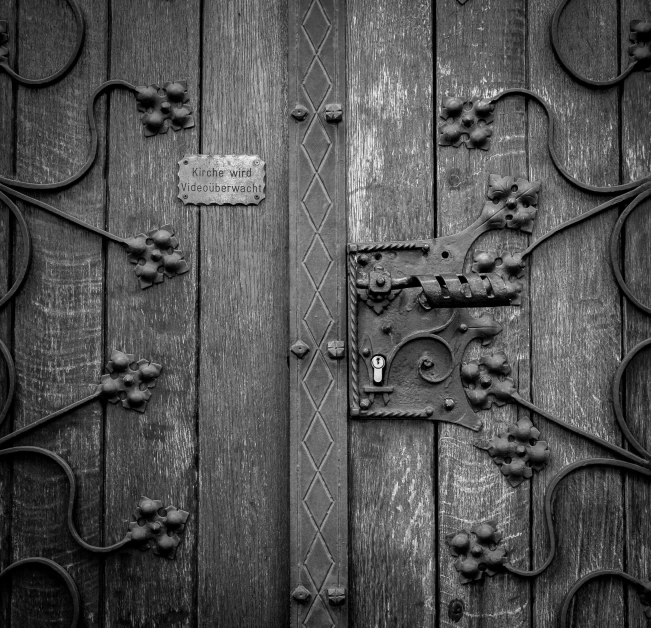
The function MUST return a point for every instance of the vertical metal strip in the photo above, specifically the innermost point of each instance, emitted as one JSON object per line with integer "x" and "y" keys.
{"x": 318, "y": 376}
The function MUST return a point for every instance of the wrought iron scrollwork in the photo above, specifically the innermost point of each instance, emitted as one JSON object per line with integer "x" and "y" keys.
{"x": 61, "y": 572}
{"x": 59, "y": 74}
{"x": 155, "y": 254}
{"x": 639, "y": 50}
{"x": 128, "y": 381}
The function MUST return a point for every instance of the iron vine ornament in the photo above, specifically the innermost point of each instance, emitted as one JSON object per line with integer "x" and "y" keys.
{"x": 155, "y": 255}
{"x": 392, "y": 286}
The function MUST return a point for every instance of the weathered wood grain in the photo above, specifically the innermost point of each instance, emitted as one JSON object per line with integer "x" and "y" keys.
{"x": 58, "y": 315}
{"x": 575, "y": 312}
{"x": 390, "y": 181}
{"x": 154, "y": 453}
{"x": 243, "y": 402}
{"x": 7, "y": 152}
{"x": 480, "y": 52}
{"x": 636, "y": 245}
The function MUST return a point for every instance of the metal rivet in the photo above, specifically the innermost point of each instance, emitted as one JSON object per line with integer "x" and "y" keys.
{"x": 299, "y": 349}
{"x": 333, "y": 113}
{"x": 336, "y": 349}
{"x": 425, "y": 248}
{"x": 366, "y": 352}
{"x": 463, "y": 328}
{"x": 429, "y": 411}
{"x": 454, "y": 180}
{"x": 299, "y": 113}
{"x": 336, "y": 596}
{"x": 365, "y": 404}
{"x": 387, "y": 328}
{"x": 455, "y": 610}
{"x": 449, "y": 404}
{"x": 301, "y": 594}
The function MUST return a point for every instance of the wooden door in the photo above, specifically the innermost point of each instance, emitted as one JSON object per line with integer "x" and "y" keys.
{"x": 248, "y": 428}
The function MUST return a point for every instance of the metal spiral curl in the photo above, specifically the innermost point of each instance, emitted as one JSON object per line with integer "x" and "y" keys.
{"x": 473, "y": 290}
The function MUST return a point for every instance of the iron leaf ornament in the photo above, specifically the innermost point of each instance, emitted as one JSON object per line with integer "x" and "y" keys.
{"x": 128, "y": 381}
{"x": 156, "y": 255}
{"x": 517, "y": 451}
{"x": 486, "y": 382}
{"x": 478, "y": 552}
{"x": 466, "y": 122}
{"x": 640, "y": 49}
{"x": 157, "y": 527}
{"x": 519, "y": 197}
{"x": 164, "y": 107}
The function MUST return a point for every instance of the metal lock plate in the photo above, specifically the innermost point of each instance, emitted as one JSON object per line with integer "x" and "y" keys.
{"x": 409, "y": 326}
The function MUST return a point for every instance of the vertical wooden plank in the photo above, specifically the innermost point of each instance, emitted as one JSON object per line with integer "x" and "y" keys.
{"x": 58, "y": 314}
{"x": 390, "y": 181}
{"x": 154, "y": 453}
{"x": 636, "y": 247}
{"x": 481, "y": 51}
{"x": 7, "y": 122}
{"x": 243, "y": 401}
{"x": 318, "y": 295}
{"x": 575, "y": 310}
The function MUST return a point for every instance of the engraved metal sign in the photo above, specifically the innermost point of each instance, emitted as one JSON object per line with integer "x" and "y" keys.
{"x": 221, "y": 179}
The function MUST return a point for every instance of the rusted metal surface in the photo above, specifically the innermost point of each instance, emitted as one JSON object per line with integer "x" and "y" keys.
{"x": 318, "y": 384}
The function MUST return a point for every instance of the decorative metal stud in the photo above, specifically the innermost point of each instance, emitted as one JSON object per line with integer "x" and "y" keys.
{"x": 640, "y": 50}
{"x": 164, "y": 107}
{"x": 519, "y": 199}
{"x": 455, "y": 610}
{"x": 336, "y": 596}
{"x": 466, "y": 122}
{"x": 336, "y": 349}
{"x": 486, "y": 383}
{"x": 299, "y": 113}
{"x": 301, "y": 594}
{"x": 334, "y": 113}
{"x": 126, "y": 384}
{"x": 517, "y": 451}
{"x": 478, "y": 552}
{"x": 157, "y": 527}
{"x": 156, "y": 254}
{"x": 4, "y": 40}
{"x": 299, "y": 349}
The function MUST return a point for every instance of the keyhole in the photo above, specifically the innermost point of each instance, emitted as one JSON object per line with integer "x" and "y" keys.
{"x": 378, "y": 362}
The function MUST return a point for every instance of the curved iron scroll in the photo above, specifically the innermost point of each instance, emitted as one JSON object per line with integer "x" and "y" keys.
{"x": 640, "y": 51}
{"x": 61, "y": 572}
{"x": 59, "y": 74}
{"x": 643, "y": 587}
